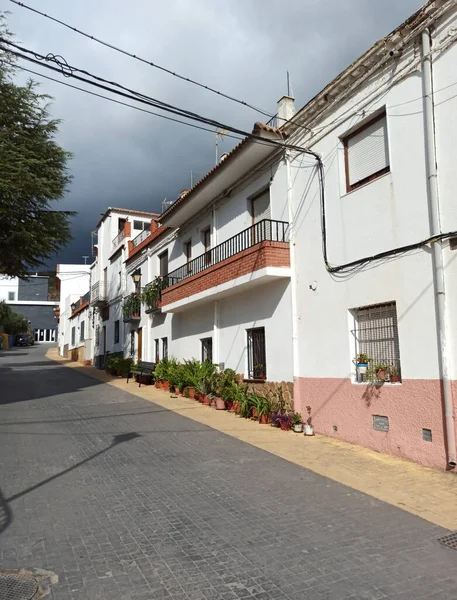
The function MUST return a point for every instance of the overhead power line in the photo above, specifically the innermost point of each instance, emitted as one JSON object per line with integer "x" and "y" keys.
{"x": 143, "y": 60}
{"x": 69, "y": 71}
{"x": 150, "y": 112}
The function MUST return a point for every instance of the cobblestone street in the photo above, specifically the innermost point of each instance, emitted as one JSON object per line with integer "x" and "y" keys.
{"x": 124, "y": 499}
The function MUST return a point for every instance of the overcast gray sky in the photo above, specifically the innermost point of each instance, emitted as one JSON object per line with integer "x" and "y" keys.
{"x": 126, "y": 158}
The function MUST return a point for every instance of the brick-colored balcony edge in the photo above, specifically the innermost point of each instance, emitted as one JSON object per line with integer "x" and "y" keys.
{"x": 155, "y": 233}
{"x": 265, "y": 254}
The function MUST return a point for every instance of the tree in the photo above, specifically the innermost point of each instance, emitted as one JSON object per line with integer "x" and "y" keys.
{"x": 11, "y": 321}
{"x": 33, "y": 174}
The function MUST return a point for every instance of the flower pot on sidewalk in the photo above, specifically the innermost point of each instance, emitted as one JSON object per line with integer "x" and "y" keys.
{"x": 220, "y": 404}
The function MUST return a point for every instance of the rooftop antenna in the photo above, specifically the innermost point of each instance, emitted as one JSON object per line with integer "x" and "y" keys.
{"x": 85, "y": 259}
{"x": 219, "y": 136}
{"x": 290, "y": 91}
{"x": 166, "y": 204}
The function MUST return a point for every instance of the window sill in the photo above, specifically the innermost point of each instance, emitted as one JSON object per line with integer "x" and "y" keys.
{"x": 364, "y": 185}
{"x": 254, "y": 380}
{"x": 377, "y": 384}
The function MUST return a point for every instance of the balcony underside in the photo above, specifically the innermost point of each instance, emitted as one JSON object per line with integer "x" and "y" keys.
{"x": 259, "y": 265}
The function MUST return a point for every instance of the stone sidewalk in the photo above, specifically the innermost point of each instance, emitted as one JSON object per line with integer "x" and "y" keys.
{"x": 429, "y": 494}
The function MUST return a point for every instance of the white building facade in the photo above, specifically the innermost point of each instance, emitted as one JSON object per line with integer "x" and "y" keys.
{"x": 74, "y": 284}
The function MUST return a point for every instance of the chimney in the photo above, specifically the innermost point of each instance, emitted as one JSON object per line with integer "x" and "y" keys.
{"x": 286, "y": 109}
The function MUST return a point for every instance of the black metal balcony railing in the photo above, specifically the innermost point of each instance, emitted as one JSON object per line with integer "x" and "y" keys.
{"x": 263, "y": 231}
{"x": 98, "y": 292}
{"x": 141, "y": 237}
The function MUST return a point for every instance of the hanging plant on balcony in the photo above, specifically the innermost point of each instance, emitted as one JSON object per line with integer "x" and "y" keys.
{"x": 131, "y": 306}
{"x": 152, "y": 293}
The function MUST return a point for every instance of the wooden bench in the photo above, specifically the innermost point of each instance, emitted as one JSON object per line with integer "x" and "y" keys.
{"x": 143, "y": 368}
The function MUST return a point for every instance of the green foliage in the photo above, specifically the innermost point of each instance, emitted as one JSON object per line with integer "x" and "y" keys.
{"x": 33, "y": 175}
{"x": 131, "y": 305}
{"x": 263, "y": 404}
{"x": 224, "y": 384}
{"x": 152, "y": 292}
{"x": 11, "y": 321}
{"x": 296, "y": 419}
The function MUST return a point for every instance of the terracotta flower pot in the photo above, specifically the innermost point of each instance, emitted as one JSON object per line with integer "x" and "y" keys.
{"x": 381, "y": 374}
{"x": 285, "y": 426}
{"x": 157, "y": 384}
{"x": 166, "y": 386}
{"x": 237, "y": 408}
{"x": 229, "y": 404}
{"x": 264, "y": 419}
{"x": 205, "y": 400}
{"x": 220, "y": 404}
{"x": 254, "y": 414}
{"x": 395, "y": 379}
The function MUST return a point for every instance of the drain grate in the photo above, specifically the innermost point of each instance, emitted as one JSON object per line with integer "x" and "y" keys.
{"x": 449, "y": 540}
{"x": 16, "y": 586}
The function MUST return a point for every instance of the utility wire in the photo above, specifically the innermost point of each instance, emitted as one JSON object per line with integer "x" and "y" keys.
{"x": 70, "y": 71}
{"x": 143, "y": 60}
{"x": 150, "y": 112}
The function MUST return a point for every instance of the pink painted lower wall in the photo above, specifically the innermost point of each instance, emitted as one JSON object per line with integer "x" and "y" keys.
{"x": 410, "y": 407}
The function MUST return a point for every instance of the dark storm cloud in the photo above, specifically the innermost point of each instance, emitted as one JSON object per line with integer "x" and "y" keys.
{"x": 243, "y": 47}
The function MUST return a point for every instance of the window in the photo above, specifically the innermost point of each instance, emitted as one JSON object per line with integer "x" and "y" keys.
{"x": 121, "y": 225}
{"x": 73, "y": 336}
{"x": 256, "y": 353}
{"x": 156, "y": 351}
{"x": 140, "y": 225}
{"x": 164, "y": 348}
{"x": 206, "y": 238}
{"x": 105, "y": 313}
{"x": 261, "y": 215}
{"x": 163, "y": 263}
{"x": 11, "y": 296}
{"x": 366, "y": 153}
{"x": 82, "y": 331}
{"x": 120, "y": 279}
{"x": 376, "y": 336}
{"x": 207, "y": 350}
{"x": 132, "y": 343}
{"x": 116, "y": 331}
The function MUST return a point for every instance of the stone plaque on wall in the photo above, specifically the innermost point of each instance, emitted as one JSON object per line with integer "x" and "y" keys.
{"x": 380, "y": 423}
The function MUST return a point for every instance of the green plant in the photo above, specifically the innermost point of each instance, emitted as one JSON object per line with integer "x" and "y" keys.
{"x": 131, "y": 305}
{"x": 296, "y": 419}
{"x": 224, "y": 383}
{"x": 124, "y": 365}
{"x": 152, "y": 293}
{"x": 362, "y": 359}
{"x": 247, "y": 403}
{"x": 208, "y": 377}
{"x": 377, "y": 373}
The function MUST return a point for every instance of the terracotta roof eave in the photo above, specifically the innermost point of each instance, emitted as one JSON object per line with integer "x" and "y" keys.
{"x": 127, "y": 211}
{"x": 79, "y": 309}
{"x": 152, "y": 238}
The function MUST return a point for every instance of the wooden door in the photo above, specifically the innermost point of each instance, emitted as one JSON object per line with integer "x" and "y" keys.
{"x": 140, "y": 343}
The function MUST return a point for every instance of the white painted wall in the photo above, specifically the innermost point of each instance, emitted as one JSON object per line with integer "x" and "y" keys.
{"x": 74, "y": 283}
{"x": 382, "y": 215}
{"x": 8, "y": 285}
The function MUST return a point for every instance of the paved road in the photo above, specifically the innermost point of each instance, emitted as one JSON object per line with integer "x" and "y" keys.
{"x": 126, "y": 500}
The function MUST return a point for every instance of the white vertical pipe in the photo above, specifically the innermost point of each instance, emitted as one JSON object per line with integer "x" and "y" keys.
{"x": 293, "y": 278}
{"x": 437, "y": 252}
{"x": 216, "y": 354}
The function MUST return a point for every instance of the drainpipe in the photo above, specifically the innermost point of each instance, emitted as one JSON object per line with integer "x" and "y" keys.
{"x": 216, "y": 359}
{"x": 437, "y": 253}
{"x": 293, "y": 280}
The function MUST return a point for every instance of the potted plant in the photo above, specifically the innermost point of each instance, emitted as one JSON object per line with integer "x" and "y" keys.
{"x": 151, "y": 294}
{"x": 382, "y": 370}
{"x": 285, "y": 422}
{"x": 259, "y": 372}
{"x": 394, "y": 374}
{"x": 297, "y": 424}
{"x": 132, "y": 305}
{"x": 123, "y": 366}
{"x": 309, "y": 427}
{"x": 361, "y": 362}
{"x": 274, "y": 418}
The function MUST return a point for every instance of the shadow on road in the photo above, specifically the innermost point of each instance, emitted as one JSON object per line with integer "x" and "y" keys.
{"x": 6, "y": 516}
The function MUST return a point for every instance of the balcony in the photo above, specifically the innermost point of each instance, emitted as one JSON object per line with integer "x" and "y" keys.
{"x": 257, "y": 255}
{"x": 99, "y": 294}
{"x": 118, "y": 240}
{"x": 132, "y": 308}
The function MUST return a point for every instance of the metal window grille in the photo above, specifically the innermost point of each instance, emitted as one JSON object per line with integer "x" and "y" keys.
{"x": 207, "y": 350}
{"x": 82, "y": 331}
{"x": 164, "y": 347}
{"x": 116, "y": 331}
{"x": 157, "y": 350}
{"x": 376, "y": 335}
{"x": 97, "y": 336}
{"x": 132, "y": 343}
{"x": 256, "y": 353}
{"x": 73, "y": 336}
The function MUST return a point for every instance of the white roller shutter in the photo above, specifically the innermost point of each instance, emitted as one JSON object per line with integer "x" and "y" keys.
{"x": 367, "y": 151}
{"x": 261, "y": 207}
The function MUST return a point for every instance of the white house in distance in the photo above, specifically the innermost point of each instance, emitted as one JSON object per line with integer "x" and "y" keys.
{"x": 108, "y": 283}
{"x": 74, "y": 284}
{"x": 322, "y": 255}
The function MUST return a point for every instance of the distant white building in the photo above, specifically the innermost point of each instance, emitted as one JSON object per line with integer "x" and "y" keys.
{"x": 74, "y": 284}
